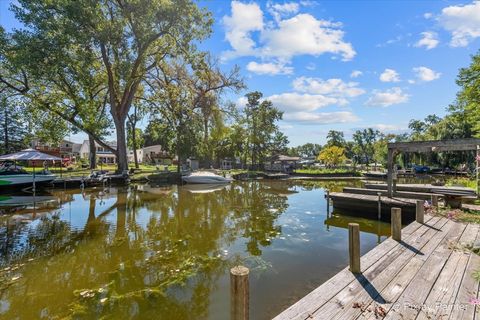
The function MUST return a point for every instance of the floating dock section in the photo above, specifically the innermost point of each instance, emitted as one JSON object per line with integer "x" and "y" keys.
{"x": 367, "y": 205}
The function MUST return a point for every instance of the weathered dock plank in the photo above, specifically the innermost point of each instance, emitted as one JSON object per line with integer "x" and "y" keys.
{"x": 413, "y": 298}
{"x": 315, "y": 299}
{"x": 399, "y": 194}
{"x": 469, "y": 288}
{"x": 366, "y": 288}
{"x": 440, "y": 301}
{"x": 428, "y": 188}
{"x": 426, "y": 276}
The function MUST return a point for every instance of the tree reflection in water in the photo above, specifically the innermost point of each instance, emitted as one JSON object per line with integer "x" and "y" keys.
{"x": 152, "y": 252}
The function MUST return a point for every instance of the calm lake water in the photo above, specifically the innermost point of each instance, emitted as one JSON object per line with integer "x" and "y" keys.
{"x": 145, "y": 252}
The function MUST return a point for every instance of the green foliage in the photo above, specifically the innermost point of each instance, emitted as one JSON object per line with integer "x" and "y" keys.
{"x": 364, "y": 141}
{"x": 332, "y": 155}
{"x": 14, "y": 131}
{"x": 335, "y": 138}
{"x": 264, "y": 137}
{"x": 326, "y": 171}
{"x": 468, "y": 98}
{"x": 305, "y": 150}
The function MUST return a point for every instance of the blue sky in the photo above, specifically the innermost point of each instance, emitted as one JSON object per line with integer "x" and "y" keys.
{"x": 343, "y": 65}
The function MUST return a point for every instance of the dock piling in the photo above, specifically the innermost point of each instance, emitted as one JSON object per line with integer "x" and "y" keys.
{"x": 435, "y": 200}
{"x": 327, "y": 196}
{"x": 420, "y": 211}
{"x": 354, "y": 247}
{"x": 239, "y": 293}
{"x": 379, "y": 205}
{"x": 396, "y": 223}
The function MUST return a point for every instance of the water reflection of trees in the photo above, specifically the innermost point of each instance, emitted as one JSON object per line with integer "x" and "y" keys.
{"x": 161, "y": 257}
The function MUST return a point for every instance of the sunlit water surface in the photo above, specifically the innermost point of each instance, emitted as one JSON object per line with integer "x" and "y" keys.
{"x": 145, "y": 252}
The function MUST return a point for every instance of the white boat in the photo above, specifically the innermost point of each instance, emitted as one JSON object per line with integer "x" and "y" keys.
{"x": 205, "y": 177}
{"x": 25, "y": 180}
{"x": 13, "y": 177}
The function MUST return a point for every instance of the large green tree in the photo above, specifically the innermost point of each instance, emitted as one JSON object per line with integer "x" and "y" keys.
{"x": 264, "y": 136}
{"x": 128, "y": 37}
{"x": 467, "y": 103}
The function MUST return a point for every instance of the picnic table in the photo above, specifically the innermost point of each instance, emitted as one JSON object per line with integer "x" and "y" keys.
{"x": 453, "y": 198}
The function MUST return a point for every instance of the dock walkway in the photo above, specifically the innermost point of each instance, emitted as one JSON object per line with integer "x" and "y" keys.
{"x": 428, "y": 275}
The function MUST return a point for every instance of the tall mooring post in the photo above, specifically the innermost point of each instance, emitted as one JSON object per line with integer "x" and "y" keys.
{"x": 327, "y": 197}
{"x": 420, "y": 212}
{"x": 354, "y": 247}
{"x": 396, "y": 223}
{"x": 379, "y": 213}
{"x": 239, "y": 293}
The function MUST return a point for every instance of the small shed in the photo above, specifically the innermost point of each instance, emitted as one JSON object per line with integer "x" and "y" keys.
{"x": 226, "y": 164}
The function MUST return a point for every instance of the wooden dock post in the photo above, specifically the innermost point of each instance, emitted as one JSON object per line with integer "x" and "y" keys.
{"x": 396, "y": 223}
{"x": 354, "y": 247}
{"x": 379, "y": 205}
{"x": 435, "y": 200}
{"x": 327, "y": 196}
{"x": 420, "y": 211}
{"x": 239, "y": 293}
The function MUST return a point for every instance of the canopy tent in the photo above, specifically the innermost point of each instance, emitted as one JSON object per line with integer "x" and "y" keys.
{"x": 29, "y": 155}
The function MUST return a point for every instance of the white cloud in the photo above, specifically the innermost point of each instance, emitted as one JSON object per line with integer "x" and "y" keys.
{"x": 330, "y": 87}
{"x": 311, "y": 66}
{"x": 389, "y": 75}
{"x": 321, "y": 118}
{"x": 278, "y": 10}
{"x": 304, "y": 34}
{"x": 426, "y": 74}
{"x": 282, "y": 39}
{"x": 269, "y": 68}
{"x": 245, "y": 19}
{"x": 427, "y": 15}
{"x": 463, "y": 22}
{"x": 356, "y": 74}
{"x": 429, "y": 40}
{"x": 295, "y": 102}
{"x": 387, "y": 98}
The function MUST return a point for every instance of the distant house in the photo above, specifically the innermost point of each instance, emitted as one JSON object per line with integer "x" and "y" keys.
{"x": 227, "y": 164}
{"x": 281, "y": 163}
{"x": 155, "y": 155}
{"x": 103, "y": 155}
{"x": 67, "y": 150}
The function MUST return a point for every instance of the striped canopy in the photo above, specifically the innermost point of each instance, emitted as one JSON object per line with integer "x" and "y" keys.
{"x": 29, "y": 155}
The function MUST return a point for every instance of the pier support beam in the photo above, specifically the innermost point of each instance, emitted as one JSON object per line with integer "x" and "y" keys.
{"x": 396, "y": 223}
{"x": 354, "y": 247}
{"x": 327, "y": 196}
{"x": 420, "y": 211}
{"x": 434, "y": 200}
{"x": 239, "y": 293}
{"x": 379, "y": 214}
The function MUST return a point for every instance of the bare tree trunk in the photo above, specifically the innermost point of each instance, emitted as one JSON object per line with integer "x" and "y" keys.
{"x": 93, "y": 152}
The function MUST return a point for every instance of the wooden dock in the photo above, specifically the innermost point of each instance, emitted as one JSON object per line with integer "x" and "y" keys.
{"x": 425, "y": 188}
{"x": 428, "y": 275}
{"x": 399, "y": 194}
{"x": 367, "y": 205}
